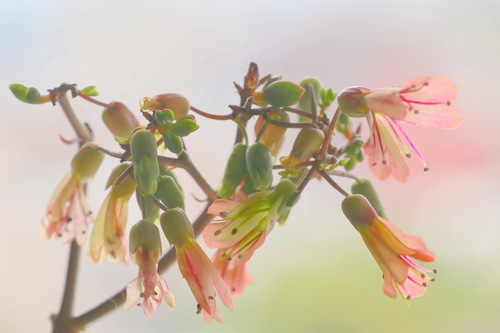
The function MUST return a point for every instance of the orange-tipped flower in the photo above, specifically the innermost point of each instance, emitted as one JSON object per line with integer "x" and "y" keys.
{"x": 200, "y": 274}
{"x": 391, "y": 248}
{"x": 236, "y": 278}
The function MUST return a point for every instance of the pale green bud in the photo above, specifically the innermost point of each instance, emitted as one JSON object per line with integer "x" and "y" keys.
{"x": 144, "y": 234}
{"x": 282, "y": 93}
{"x": 260, "y": 166}
{"x": 144, "y": 155}
{"x": 169, "y": 192}
{"x": 365, "y": 188}
{"x": 236, "y": 170}
{"x": 119, "y": 120}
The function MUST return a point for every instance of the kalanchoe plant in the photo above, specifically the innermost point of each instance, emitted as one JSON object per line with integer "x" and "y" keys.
{"x": 260, "y": 186}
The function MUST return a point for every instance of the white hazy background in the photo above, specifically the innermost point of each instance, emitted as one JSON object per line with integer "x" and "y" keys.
{"x": 315, "y": 274}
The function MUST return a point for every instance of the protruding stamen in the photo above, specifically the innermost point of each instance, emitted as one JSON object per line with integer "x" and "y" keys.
{"x": 234, "y": 231}
{"x": 408, "y": 155}
{"x": 198, "y": 308}
{"x": 408, "y": 297}
{"x": 433, "y": 279}
{"x": 426, "y": 169}
{"x": 424, "y": 284}
{"x": 223, "y": 214}
{"x": 210, "y": 298}
{"x": 435, "y": 271}
{"x": 229, "y": 258}
{"x": 217, "y": 232}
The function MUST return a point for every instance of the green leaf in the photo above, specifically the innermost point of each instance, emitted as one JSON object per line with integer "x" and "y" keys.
{"x": 90, "y": 91}
{"x": 184, "y": 127}
{"x": 172, "y": 143}
{"x": 163, "y": 118}
{"x": 19, "y": 91}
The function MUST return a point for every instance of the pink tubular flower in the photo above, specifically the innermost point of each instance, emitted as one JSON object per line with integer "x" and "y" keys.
{"x": 235, "y": 279}
{"x": 424, "y": 101}
{"x": 200, "y": 274}
{"x": 108, "y": 235}
{"x": 246, "y": 224}
{"x": 67, "y": 214}
{"x": 145, "y": 250}
{"x": 391, "y": 248}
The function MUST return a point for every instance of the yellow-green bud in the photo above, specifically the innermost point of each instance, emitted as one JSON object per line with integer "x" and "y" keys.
{"x": 86, "y": 162}
{"x": 307, "y": 142}
{"x": 358, "y": 210}
{"x": 365, "y": 188}
{"x": 169, "y": 192}
{"x": 177, "y": 103}
{"x": 175, "y": 225}
{"x": 236, "y": 170}
{"x": 144, "y": 234}
{"x": 145, "y": 158}
{"x": 282, "y": 93}
{"x": 305, "y": 100}
{"x": 260, "y": 166}
{"x": 119, "y": 120}
{"x": 273, "y": 135}
{"x": 352, "y": 102}
{"x": 126, "y": 187}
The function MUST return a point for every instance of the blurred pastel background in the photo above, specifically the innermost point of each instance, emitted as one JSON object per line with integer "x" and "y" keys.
{"x": 314, "y": 274}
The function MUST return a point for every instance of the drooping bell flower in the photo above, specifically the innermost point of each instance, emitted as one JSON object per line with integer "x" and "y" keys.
{"x": 196, "y": 268}
{"x": 145, "y": 250}
{"x": 391, "y": 248}
{"x": 236, "y": 278}
{"x": 424, "y": 101}
{"x": 108, "y": 235}
{"x": 245, "y": 225}
{"x": 67, "y": 214}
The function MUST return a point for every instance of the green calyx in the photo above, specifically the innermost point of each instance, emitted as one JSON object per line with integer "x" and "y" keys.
{"x": 86, "y": 162}
{"x": 144, "y": 234}
{"x": 176, "y": 226}
{"x": 358, "y": 211}
{"x": 365, "y": 188}
{"x": 352, "y": 102}
{"x": 169, "y": 192}
{"x": 144, "y": 156}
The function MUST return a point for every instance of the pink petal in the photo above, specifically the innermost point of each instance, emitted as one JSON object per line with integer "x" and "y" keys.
{"x": 439, "y": 89}
{"x": 434, "y": 116}
{"x": 133, "y": 292}
{"x": 387, "y": 101}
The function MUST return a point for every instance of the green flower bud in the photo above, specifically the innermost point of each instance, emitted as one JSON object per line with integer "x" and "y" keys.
{"x": 307, "y": 142}
{"x": 175, "y": 225}
{"x": 119, "y": 120}
{"x": 236, "y": 170}
{"x": 352, "y": 102}
{"x": 172, "y": 142}
{"x": 144, "y": 234}
{"x": 125, "y": 188}
{"x": 28, "y": 95}
{"x": 32, "y": 96}
{"x": 365, "y": 188}
{"x": 273, "y": 135}
{"x": 86, "y": 162}
{"x": 169, "y": 192}
{"x": 305, "y": 100}
{"x": 178, "y": 104}
{"x": 145, "y": 158}
{"x": 260, "y": 166}
{"x": 184, "y": 127}
{"x": 358, "y": 210}
{"x": 282, "y": 93}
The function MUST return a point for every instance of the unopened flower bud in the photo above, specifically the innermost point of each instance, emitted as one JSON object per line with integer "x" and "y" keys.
{"x": 169, "y": 192}
{"x": 352, "y": 102}
{"x": 307, "y": 142}
{"x": 282, "y": 93}
{"x": 365, "y": 188}
{"x": 305, "y": 100}
{"x": 273, "y": 135}
{"x": 145, "y": 234}
{"x": 236, "y": 170}
{"x": 177, "y": 103}
{"x": 86, "y": 162}
{"x": 260, "y": 166}
{"x": 119, "y": 120}
{"x": 144, "y": 155}
{"x": 358, "y": 210}
{"x": 175, "y": 225}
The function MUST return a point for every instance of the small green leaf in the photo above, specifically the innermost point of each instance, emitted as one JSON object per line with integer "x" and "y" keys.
{"x": 163, "y": 118}
{"x": 19, "y": 91}
{"x": 90, "y": 91}
{"x": 184, "y": 127}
